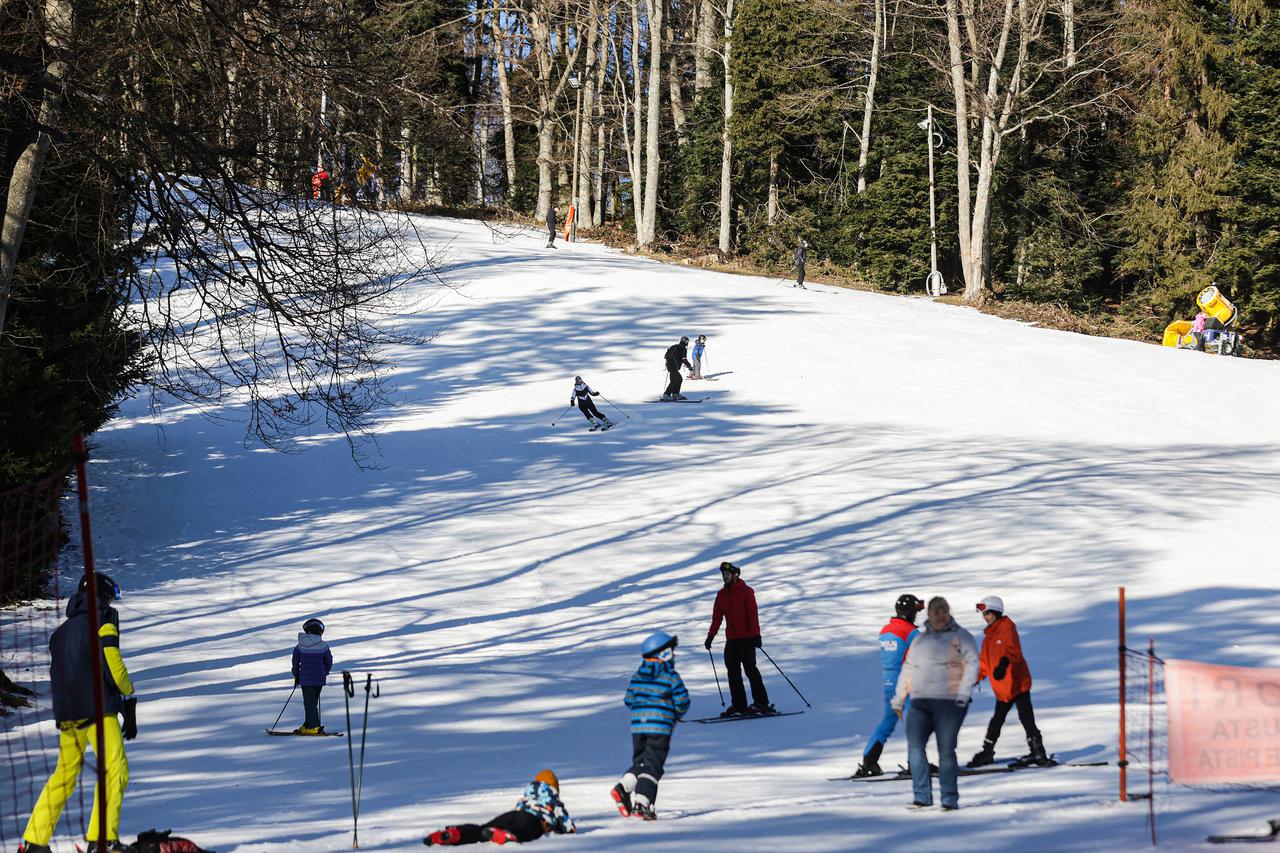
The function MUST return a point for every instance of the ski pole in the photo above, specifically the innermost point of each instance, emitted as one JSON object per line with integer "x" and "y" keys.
{"x": 789, "y": 681}
{"x": 717, "y": 675}
{"x": 562, "y": 414}
{"x": 286, "y": 705}
{"x": 369, "y": 689}
{"x": 349, "y": 691}
{"x": 611, "y": 403}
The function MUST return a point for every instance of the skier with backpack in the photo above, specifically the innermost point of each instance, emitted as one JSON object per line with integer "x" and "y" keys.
{"x": 658, "y": 700}
{"x": 677, "y": 354}
{"x": 538, "y": 812}
{"x": 582, "y": 395}
{"x": 736, "y": 606}
{"x": 71, "y": 681}
{"x": 895, "y": 637}
{"x": 1001, "y": 660}
{"x": 312, "y": 662}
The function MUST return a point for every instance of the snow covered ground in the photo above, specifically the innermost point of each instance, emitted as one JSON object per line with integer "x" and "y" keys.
{"x": 497, "y": 574}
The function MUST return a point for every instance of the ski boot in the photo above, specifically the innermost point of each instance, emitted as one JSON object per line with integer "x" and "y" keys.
{"x": 643, "y": 810}
{"x": 447, "y": 837}
{"x": 679, "y": 397}
{"x": 867, "y": 768}
{"x": 1036, "y": 756}
{"x": 667, "y": 398}
{"x": 622, "y": 798}
{"x": 32, "y": 847}
{"x": 497, "y": 836}
{"x": 985, "y": 756}
{"x": 735, "y": 711}
{"x": 764, "y": 709}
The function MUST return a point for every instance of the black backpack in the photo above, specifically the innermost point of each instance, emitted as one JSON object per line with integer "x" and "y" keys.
{"x": 158, "y": 841}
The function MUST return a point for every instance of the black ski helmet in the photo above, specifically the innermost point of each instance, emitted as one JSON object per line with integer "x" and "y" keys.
{"x": 108, "y": 589}
{"x": 313, "y": 626}
{"x": 577, "y": 379}
{"x": 907, "y": 607}
{"x": 684, "y": 339}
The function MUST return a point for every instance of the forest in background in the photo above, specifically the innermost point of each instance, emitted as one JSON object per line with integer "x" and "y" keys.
{"x": 1104, "y": 158}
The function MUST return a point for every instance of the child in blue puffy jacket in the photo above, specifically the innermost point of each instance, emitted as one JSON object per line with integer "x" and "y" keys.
{"x": 312, "y": 662}
{"x": 538, "y": 812}
{"x": 658, "y": 699}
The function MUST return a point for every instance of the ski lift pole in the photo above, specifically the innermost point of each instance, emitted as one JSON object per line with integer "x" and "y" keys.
{"x": 789, "y": 681}
{"x": 349, "y": 691}
{"x": 286, "y": 705}
{"x": 371, "y": 688}
{"x": 717, "y": 675}
{"x": 611, "y": 403}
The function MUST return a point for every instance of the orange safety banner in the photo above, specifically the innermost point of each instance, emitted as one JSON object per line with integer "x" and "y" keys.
{"x": 568, "y": 221}
{"x": 1224, "y": 723}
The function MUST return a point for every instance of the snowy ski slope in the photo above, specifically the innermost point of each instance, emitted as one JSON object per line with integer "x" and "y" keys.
{"x": 497, "y": 574}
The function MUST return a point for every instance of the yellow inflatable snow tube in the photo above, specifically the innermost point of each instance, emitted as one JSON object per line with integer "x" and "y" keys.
{"x": 1178, "y": 333}
{"x": 1216, "y": 305}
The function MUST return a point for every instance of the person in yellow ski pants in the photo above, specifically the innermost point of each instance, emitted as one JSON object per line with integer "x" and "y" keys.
{"x": 71, "y": 678}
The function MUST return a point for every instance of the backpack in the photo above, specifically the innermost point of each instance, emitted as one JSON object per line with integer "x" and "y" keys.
{"x": 158, "y": 841}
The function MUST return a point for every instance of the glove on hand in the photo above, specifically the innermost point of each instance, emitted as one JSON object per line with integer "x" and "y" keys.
{"x": 708, "y": 642}
{"x": 1001, "y": 669}
{"x": 130, "y": 728}
{"x": 757, "y": 642}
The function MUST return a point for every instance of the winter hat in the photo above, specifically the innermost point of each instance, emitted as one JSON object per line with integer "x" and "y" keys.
{"x": 991, "y": 602}
{"x": 550, "y": 778}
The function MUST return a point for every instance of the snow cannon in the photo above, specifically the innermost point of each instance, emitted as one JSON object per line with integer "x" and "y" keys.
{"x": 1213, "y": 303}
{"x": 1178, "y": 334}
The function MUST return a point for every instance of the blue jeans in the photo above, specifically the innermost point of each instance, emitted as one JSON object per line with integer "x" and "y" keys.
{"x": 888, "y": 722}
{"x": 942, "y": 718}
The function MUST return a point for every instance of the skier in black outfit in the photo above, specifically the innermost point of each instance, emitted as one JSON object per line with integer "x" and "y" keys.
{"x": 677, "y": 355}
{"x": 582, "y": 395}
{"x": 552, "y": 213}
{"x": 802, "y": 255}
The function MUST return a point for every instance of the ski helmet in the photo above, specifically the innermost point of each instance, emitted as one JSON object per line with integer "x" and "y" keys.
{"x": 550, "y": 778}
{"x": 684, "y": 339}
{"x": 726, "y": 566}
{"x": 907, "y": 607}
{"x": 313, "y": 626}
{"x": 702, "y": 339}
{"x": 577, "y": 379}
{"x": 991, "y": 604}
{"x": 657, "y": 643}
{"x": 108, "y": 589}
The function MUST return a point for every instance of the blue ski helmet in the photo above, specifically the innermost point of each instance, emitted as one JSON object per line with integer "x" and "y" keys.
{"x": 656, "y": 643}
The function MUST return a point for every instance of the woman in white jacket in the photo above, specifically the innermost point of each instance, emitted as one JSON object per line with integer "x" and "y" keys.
{"x": 938, "y": 675}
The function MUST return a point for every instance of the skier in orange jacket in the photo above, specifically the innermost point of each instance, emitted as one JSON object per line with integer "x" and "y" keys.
{"x": 1001, "y": 661}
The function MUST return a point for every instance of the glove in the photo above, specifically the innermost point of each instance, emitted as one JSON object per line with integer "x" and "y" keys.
{"x": 572, "y": 401}
{"x": 757, "y": 642}
{"x": 595, "y": 393}
{"x": 130, "y": 727}
{"x": 707, "y": 644}
{"x": 1001, "y": 669}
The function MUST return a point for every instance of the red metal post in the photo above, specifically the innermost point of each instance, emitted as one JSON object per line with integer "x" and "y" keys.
{"x": 95, "y": 646}
{"x": 1124, "y": 754}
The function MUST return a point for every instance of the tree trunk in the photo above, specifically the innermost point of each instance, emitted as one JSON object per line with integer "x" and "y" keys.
{"x": 675, "y": 89}
{"x": 25, "y": 181}
{"x": 704, "y": 45}
{"x": 656, "y": 10}
{"x": 601, "y": 137}
{"x": 504, "y": 94}
{"x": 637, "y": 103}
{"x": 406, "y": 164}
{"x": 584, "y": 212}
{"x": 964, "y": 224}
{"x": 771, "y": 215}
{"x": 868, "y": 104}
{"x": 1069, "y": 32}
{"x": 726, "y": 155}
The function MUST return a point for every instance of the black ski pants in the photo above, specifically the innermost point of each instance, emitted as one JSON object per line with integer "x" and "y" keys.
{"x": 551, "y": 234}
{"x": 740, "y": 654}
{"x": 1026, "y": 715}
{"x": 800, "y": 274}
{"x": 588, "y": 408}
{"x": 648, "y": 756}
{"x": 524, "y": 826}
{"x": 676, "y": 380}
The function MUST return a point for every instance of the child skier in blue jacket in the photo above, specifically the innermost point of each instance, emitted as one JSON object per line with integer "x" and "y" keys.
{"x": 658, "y": 699}
{"x": 895, "y": 638}
{"x": 312, "y": 661}
{"x": 538, "y": 812}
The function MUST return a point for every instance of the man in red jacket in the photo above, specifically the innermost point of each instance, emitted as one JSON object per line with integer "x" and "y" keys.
{"x": 736, "y": 605}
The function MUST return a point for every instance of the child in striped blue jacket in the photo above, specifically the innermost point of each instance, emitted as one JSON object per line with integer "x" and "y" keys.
{"x": 658, "y": 699}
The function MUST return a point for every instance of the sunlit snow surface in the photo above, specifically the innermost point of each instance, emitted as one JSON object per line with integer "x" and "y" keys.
{"x": 497, "y": 574}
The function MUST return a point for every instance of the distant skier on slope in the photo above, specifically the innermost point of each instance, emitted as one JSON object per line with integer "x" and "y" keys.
{"x": 736, "y": 605}
{"x": 658, "y": 700}
{"x": 676, "y": 356}
{"x": 798, "y": 261}
{"x": 312, "y": 662}
{"x": 1001, "y": 660}
{"x": 699, "y": 348}
{"x": 538, "y": 812}
{"x": 895, "y": 637}
{"x": 582, "y": 395}
{"x": 552, "y": 213}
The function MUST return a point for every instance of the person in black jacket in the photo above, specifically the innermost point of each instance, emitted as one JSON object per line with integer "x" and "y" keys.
{"x": 552, "y": 213}
{"x": 802, "y": 255}
{"x": 71, "y": 680}
{"x": 677, "y": 355}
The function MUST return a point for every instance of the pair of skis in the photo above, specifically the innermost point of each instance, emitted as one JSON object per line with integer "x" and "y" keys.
{"x": 748, "y": 716}
{"x": 1012, "y": 767}
{"x": 1271, "y": 834}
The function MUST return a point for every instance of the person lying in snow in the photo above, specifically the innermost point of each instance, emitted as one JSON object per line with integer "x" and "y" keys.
{"x": 538, "y": 812}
